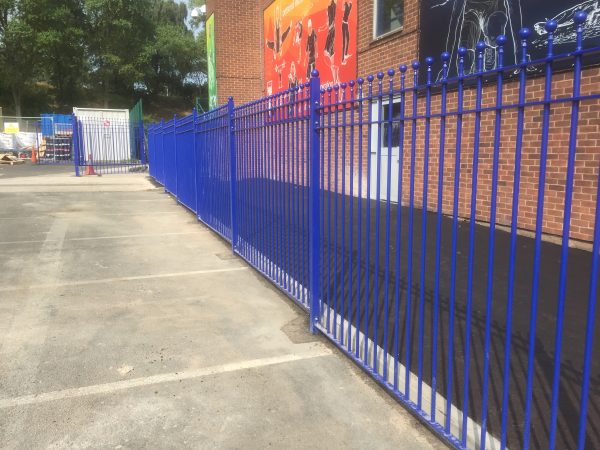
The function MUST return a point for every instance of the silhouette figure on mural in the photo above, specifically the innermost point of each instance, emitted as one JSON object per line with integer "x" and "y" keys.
{"x": 311, "y": 49}
{"x": 277, "y": 44}
{"x": 330, "y": 41}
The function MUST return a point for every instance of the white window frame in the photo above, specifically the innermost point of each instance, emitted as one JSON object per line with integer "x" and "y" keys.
{"x": 387, "y": 33}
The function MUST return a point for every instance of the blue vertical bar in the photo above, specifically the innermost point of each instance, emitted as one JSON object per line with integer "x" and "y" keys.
{"x": 76, "y": 148}
{"x": 314, "y": 199}
{"x": 462, "y": 51}
{"x": 289, "y": 160}
{"x": 299, "y": 242}
{"x": 438, "y": 233}
{"x": 428, "y": 63}
{"x": 195, "y": 155}
{"x": 386, "y": 288}
{"x": 411, "y": 213}
{"x": 336, "y": 274}
{"x": 589, "y": 328}
{"x": 143, "y": 143}
{"x": 579, "y": 19}
{"x": 323, "y": 203}
{"x": 162, "y": 151}
{"x": 176, "y": 168}
{"x": 271, "y": 182}
{"x": 351, "y": 214}
{"x": 329, "y": 194}
{"x": 480, "y": 48}
{"x": 538, "y": 232}
{"x": 360, "y": 83}
{"x": 370, "y": 79}
{"x": 500, "y": 42}
{"x": 524, "y": 33}
{"x": 403, "y": 68}
{"x": 342, "y": 106}
{"x": 378, "y": 148}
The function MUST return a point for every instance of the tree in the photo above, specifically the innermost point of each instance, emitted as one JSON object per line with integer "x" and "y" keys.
{"x": 59, "y": 33}
{"x": 17, "y": 51}
{"x": 118, "y": 33}
{"x": 175, "y": 55}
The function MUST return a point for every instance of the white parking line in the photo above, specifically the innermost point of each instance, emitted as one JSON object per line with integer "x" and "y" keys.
{"x": 93, "y": 238}
{"x": 113, "y": 280}
{"x": 96, "y": 214}
{"x": 317, "y": 350}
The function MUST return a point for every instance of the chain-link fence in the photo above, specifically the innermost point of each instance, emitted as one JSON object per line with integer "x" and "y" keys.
{"x": 19, "y": 135}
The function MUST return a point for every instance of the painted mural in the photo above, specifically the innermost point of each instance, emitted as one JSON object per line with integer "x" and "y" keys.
{"x": 303, "y": 35}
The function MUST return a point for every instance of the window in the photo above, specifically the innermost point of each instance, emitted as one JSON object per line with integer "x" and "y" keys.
{"x": 389, "y": 16}
{"x": 395, "y": 124}
{"x": 383, "y": 155}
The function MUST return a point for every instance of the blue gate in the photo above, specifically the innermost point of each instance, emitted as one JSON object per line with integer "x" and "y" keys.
{"x": 108, "y": 146}
{"x": 444, "y": 235}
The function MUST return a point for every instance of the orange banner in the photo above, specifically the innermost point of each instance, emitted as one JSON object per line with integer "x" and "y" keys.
{"x": 302, "y": 35}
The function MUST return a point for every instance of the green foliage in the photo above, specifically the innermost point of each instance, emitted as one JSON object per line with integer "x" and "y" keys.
{"x": 120, "y": 47}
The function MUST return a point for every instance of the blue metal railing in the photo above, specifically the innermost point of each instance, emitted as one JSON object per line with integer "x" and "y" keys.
{"x": 395, "y": 213}
{"x": 107, "y": 146}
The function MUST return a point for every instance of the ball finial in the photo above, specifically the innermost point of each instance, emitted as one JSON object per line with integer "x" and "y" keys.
{"x": 580, "y": 17}
{"x": 551, "y": 26}
{"x": 524, "y": 33}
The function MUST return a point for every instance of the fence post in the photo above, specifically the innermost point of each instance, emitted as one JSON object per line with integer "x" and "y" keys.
{"x": 75, "y": 140}
{"x": 142, "y": 142}
{"x": 195, "y": 153}
{"x": 175, "y": 194}
{"x": 232, "y": 175}
{"x": 314, "y": 207}
{"x": 162, "y": 151}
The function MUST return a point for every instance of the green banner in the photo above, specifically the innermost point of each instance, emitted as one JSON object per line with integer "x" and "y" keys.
{"x": 212, "y": 63}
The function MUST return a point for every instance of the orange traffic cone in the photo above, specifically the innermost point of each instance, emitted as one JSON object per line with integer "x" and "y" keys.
{"x": 34, "y": 155}
{"x": 89, "y": 169}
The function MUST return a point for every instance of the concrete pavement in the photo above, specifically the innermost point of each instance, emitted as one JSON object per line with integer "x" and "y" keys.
{"x": 124, "y": 323}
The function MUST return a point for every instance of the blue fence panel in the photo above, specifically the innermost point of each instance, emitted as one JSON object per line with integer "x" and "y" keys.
{"x": 213, "y": 180}
{"x": 107, "y": 146}
{"x": 56, "y": 144}
{"x": 186, "y": 162}
{"x": 395, "y": 212}
{"x": 170, "y": 157}
{"x": 271, "y": 138}
{"x": 152, "y": 163}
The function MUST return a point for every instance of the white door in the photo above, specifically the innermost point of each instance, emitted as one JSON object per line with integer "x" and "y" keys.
{"x": 384, "y": 155}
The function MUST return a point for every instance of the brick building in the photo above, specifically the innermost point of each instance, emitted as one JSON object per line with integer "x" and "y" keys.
{"x": 389, "y": 37}
{"x": 240, "y": 44}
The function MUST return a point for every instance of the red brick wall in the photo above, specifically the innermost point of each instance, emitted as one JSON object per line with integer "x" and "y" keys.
{"x": 399, "y": 47}
{"x": 240, "y": 50}
{"x": 238, "y": 37}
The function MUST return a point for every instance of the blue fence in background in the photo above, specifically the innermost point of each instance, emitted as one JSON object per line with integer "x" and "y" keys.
{"x": 55, "y": 144}
{"x": 107, "y": 146}
{"x": 363, "y": 203}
